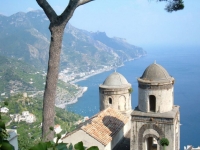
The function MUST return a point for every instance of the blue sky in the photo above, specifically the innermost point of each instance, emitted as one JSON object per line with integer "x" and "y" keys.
{"x": 143, "y": 23}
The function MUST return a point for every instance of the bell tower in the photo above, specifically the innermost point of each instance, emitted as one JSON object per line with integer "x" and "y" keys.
{"x": 156, "y": 116}
{"x": 115, "y": 92}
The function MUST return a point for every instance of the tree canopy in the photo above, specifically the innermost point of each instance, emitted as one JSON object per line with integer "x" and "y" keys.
{"x": 174, "y": 5}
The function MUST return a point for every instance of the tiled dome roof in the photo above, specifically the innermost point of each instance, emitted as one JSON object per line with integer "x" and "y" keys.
{"x": 155, "y": 73}
{"x": 115, "y": 80}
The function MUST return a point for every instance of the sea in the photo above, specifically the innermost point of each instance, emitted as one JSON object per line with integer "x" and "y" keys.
{"x": 183, "y": 63}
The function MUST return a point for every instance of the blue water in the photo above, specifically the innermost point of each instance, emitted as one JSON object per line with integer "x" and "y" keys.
{"x": 182, "y": 63}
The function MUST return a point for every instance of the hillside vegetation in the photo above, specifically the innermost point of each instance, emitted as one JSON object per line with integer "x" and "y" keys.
{"x": 31, "y": 132}
{"x": 18, "y": 77}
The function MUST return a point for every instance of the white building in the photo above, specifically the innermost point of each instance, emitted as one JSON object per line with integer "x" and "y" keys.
{"x": 3, "y": 94}
{"x": 26, "y": 116}
{"x": 57, "y": 128}
{"x": 4, "y": 110}
{"x": 16, "y": 117}
{"x": 30, "y": 118}
{"x": 25, "y": 113}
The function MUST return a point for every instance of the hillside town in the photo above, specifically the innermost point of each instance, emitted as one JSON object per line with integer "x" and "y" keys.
{"x": 25, "y": 116}
{"x": 67, "y": 75}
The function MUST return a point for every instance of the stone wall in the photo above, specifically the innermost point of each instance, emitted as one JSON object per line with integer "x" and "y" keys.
{"x": 121, "y": 99}
{"x": 87, "y": 140}
{"x": 164, "y": 99}
{"x": 118, "y": 136}
{"x": 144, "y": 127}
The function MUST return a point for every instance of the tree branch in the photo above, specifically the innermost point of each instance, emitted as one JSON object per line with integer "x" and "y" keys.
{"x": 51, "y": 14}
{"x": 82, "y": 2}
{"x": 68, "y": 12}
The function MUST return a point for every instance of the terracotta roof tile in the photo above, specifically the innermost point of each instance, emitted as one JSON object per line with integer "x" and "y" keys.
{"x": 104, "y": 125}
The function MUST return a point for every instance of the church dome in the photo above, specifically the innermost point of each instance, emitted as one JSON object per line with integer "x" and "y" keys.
{"x": 155, "y": 73}
{"x": 115, "y": 80}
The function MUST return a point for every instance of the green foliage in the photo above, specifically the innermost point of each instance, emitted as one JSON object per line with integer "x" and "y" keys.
{"x": 42, "y": 146}
{"x": 30, "y": 133}
{"x": 50, "y": 146}
{"x": 164, "y": 142}
{"x": 2, "y": 125}
{"x": 79, "y": 146}
{"x": 51, "y": 128}
{"x": 18, "y": 77}
{"x": 20, "y": 73}
{"x": 60, "y": 146}
{"x": 174, "y": 5}
{"x": 4, "y": 143}
{"x": 130, "y": 90}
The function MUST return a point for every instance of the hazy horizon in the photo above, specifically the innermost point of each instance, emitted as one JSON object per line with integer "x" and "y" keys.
{"x": 141, "y": 22}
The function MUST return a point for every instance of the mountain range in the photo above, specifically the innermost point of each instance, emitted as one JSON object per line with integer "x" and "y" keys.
{"x": 25, "y": 37}
{"x": 17, "y": 76}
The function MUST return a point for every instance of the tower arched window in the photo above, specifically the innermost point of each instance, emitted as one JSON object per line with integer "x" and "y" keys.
{"x": 152, "y": 103}
{"x": 151, "y": 143}
{"x": 110, "y": 100}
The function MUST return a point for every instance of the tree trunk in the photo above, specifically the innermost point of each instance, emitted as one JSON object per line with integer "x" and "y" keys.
{"x": 56, "y": 27}
{"x": 51, "y": 81}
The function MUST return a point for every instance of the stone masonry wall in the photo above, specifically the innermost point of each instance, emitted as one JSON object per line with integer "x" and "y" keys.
{"x": 121, "y": 99}
{"x": 156, "y": 128}
{"x": 164, "y": 99}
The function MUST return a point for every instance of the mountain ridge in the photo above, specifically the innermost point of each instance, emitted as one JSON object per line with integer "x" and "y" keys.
{"x": 26, "y": 36}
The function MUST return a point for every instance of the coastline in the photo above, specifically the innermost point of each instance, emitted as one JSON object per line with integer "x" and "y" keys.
{"x": 93, "y": 74}
{"x": 80, "y": 93}
{"x": 84, "y": 89}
